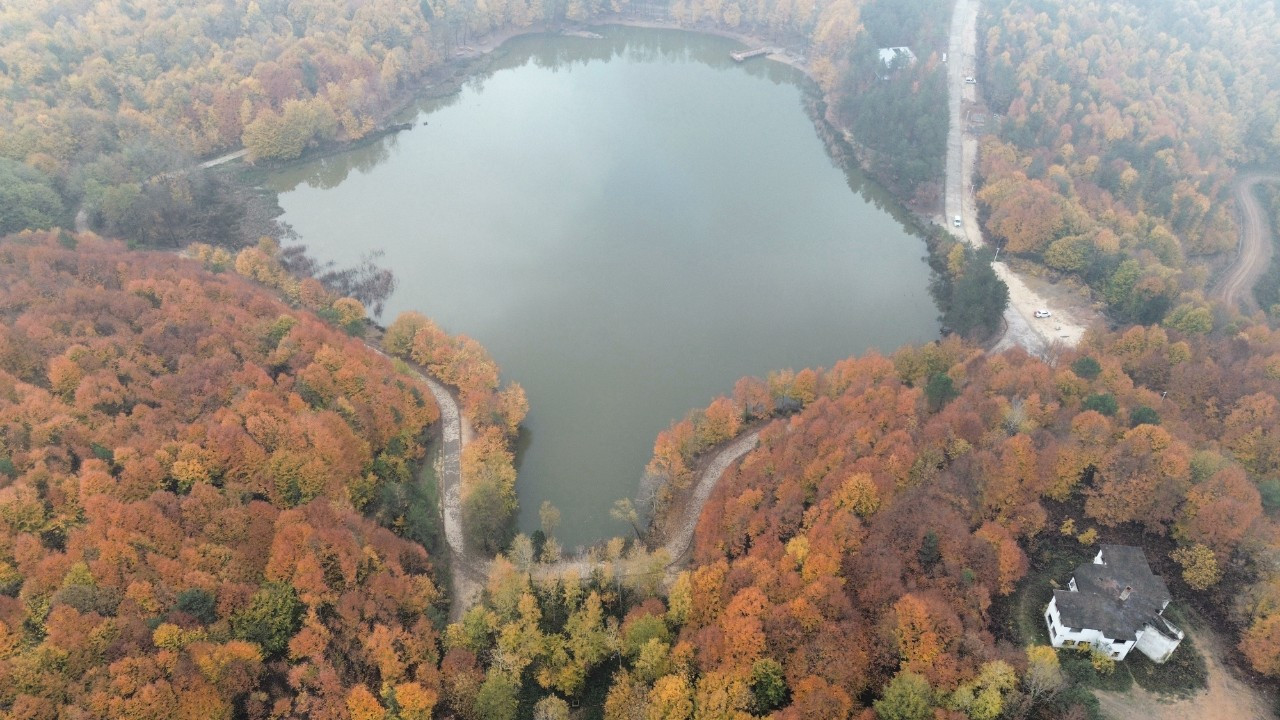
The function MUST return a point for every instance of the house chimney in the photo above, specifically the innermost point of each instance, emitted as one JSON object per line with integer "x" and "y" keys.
{"x": 1124, "y": 594}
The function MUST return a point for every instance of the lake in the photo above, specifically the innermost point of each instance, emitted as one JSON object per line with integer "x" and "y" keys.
{"x": 628, "y": 224}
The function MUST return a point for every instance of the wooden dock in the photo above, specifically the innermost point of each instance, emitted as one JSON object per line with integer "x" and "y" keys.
{"x": 748, "y": 54}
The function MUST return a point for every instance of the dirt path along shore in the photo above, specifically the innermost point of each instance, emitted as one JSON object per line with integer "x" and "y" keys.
{"x": 469, "y": 568}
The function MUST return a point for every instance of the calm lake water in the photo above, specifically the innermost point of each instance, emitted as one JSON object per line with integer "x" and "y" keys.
{"x": 628, "y": 225}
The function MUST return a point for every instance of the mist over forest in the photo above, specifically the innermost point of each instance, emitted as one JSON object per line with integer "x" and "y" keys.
{"x": 231, "y": 488}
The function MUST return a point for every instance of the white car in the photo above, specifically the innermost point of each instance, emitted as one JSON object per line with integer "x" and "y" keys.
{"x": 1042, "y": 313}
{"x": 970, "y": 80}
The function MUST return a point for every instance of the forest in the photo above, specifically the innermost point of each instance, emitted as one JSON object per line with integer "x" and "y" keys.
{"x": 899, "y": 114}
{"x": 1121, "y": 127}
{"x": 202, "y": 512}
{"x": 861, "y": 548}
{"x": 191, "y": 471}
{"x": 857, "y": 563}
{"x": 104, "y": 106}
{"x": 209, "y": 496}
{"x": 107, "y": 104}
{"x": 1267, "y": 291}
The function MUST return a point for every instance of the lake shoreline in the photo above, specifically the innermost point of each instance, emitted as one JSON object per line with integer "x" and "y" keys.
{"x": 466, "y": 65}
{"x": 838, "y": 139}
{"x": 637, "y": 127}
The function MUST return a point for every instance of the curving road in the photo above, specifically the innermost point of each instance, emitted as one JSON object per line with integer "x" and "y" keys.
{"x": 469, "y": 569}
{"x": 1021, "y": 327}
{"x": 221, "y": 159}
{"x": 1253, "y": 253}
{"x": 82, "y": 213}
{"x": 680, "y": 542}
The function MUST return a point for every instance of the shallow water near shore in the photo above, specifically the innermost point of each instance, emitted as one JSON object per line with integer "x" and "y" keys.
{"x": 628, "y": 224}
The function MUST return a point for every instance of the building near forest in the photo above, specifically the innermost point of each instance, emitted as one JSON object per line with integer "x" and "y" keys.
{"x": 889, "y": 56}
{"x": 1115, "y": 604}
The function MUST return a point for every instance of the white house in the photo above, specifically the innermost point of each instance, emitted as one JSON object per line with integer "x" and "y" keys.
{"x": 1115, "y": 604}
{"x": 890, "y": 55}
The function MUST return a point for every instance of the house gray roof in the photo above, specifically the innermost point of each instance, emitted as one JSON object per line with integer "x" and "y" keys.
{"x": 890, "y": 54}
{"x": 1096, "y": 604}
{"x": 1122, "y": 566}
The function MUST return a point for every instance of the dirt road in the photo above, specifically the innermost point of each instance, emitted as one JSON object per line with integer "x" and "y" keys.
{"x": 1227, "y": 697}
{"x": 469, "y": 568}
{"x": 1253, "y": 254}
{"x": 222, "y": 159}
{"x": 1035, "y": 335}
{"x": 681, "y": 540}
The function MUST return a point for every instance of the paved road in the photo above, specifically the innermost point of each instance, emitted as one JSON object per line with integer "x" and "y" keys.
{"x": 1253, "y": 253}
{"x": 960, "y": 63}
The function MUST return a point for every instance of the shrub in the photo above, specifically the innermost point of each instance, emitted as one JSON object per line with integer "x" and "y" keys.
{"x": 273, "y": 616}
{"x": 199, "y": 604}
{"x": 1086, "y": 367}
{"x": 1104, "y": 403}
{"x": 768, "y": 686}
{"x": 1102, "y": 663}
{"x": 1143, "y": 415}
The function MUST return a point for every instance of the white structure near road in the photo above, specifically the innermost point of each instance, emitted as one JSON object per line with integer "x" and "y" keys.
{"x": 890, "y": 55}
{"x": 1115, "y": 604}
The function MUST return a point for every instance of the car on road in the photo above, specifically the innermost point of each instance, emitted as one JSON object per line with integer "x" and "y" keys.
{"x": 1042, "y": 313}
{"x": 956, "y": 221}
{"x": 970, "y": 80}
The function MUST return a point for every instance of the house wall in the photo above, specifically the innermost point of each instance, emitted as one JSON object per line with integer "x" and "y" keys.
{"x": 1156, "y": 645}
{"x": 1060, "y": 637}
{"x": 1151, "y": 642}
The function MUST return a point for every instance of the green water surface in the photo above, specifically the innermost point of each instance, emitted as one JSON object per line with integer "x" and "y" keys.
{"x": 628, "y": 225}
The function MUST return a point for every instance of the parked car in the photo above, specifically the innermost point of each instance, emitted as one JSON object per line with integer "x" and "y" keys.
{"x": 956, "y": 221}
{"x": 1042, "y": 313}
{"x": 970, "y": 80}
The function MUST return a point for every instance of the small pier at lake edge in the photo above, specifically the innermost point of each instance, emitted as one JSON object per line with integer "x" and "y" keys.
{"x": 748, "y": 54}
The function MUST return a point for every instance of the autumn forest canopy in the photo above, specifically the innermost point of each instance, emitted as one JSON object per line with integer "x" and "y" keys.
{"x": 215, "y": 500}
{"x": 194, "y": 475}
{"x": 1121, "y": 126}
{"x": 200, "y": 511}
